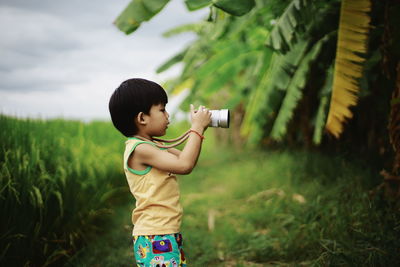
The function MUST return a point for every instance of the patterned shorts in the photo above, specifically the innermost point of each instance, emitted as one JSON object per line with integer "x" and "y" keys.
{"x": 159, "y": 250}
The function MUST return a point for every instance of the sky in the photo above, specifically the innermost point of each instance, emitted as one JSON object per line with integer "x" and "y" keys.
{"x": 65, "y": 58}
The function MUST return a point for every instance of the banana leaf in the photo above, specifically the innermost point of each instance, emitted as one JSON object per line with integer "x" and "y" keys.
{"x": 197, "y": 4}
{"x": 294, "y": 91}
{"x": 235, "y": 7}
{"x": 352, "y": 38}
{"x": 172, "y": 61}
{"x": 320, "y": 118}
{"x": 137, "y": 12}
{"x": 284, "y": 31}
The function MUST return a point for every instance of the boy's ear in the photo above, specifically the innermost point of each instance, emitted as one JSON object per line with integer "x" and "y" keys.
{"x": 140, "y": 119}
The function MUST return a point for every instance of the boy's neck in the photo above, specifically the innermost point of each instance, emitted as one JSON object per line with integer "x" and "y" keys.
{"x": 143, "y": 135}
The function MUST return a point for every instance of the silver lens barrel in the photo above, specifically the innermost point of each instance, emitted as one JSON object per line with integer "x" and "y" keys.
{"x": 220, "y": 118}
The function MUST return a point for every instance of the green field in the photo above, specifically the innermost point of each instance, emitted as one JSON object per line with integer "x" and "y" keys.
{"x": 66, "y": 200}
{"x": 59, "y": 183}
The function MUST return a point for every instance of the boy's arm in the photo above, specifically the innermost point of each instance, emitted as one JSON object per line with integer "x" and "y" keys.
{"x": 174, "y": 151}
{"x": 187, "y": 158}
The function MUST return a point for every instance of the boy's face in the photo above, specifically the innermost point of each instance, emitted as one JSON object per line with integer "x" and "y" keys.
{"x": 158, "y": 120}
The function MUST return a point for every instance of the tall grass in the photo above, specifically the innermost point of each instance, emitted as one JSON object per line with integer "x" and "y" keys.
{"x": 58, "y": 180}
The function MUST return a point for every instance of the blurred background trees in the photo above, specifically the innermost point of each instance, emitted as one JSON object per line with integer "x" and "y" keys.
{"x": 315, "y": 74}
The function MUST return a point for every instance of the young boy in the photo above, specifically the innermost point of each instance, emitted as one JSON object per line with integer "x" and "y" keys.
{"x": 137, "y": 109}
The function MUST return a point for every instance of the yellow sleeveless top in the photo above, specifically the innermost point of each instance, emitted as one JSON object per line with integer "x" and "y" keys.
{"x": 158, "y": 210}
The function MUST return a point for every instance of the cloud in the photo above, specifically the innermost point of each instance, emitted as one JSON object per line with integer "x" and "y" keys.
{"x": 31, "y": 44}
{"x": 64, "y": 58}
{"x": 32, "y": 33}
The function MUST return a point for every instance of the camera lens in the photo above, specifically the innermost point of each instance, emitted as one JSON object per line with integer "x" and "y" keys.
{"x": 220, "y": 118}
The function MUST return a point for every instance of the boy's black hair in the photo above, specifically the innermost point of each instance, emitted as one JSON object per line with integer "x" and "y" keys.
{"x": 130, "y": 98}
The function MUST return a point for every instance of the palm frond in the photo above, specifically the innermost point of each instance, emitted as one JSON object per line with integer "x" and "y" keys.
{"x": 181, "y": 86}
{"x": 320, "y": 118}
{"x": 236, "y": 8}
{"x": 197, "y": 4}
{"x": 137, "y": 12}
{"x": 225, "y": 53}
{"x": 267, "y": 96}
{"x": 172, "y": 61}
{"x": 352, "y": 37}
{"x": 251, "y": 124}
{"x": 224, "y": 73}
{"x": 294, "y": 90}
{"x": 195, "y": 54}
{"x": 191, "y": 27}
{"x": 283, "y": 33}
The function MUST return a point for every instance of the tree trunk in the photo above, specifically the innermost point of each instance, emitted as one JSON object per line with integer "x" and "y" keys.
{"x": 391, "y": 67}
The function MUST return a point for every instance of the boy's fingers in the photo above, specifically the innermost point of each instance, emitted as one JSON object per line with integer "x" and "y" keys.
{"x": 191, "y": 108}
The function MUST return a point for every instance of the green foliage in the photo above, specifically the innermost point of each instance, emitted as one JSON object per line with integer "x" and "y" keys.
{"x": 192, "y": 27}
{"x": 235, "y": 7}
{"x": 175, "y": 59}
{"x": 197, "y": 4}
{"x": 231, "y": 47}
{"x": 294, "y": 90}
{"x": 262, "y": 65}
{"x": 230, "y": 62}
{"x": 320, "y": 118}
{"x": 137, "y": 12}
{"x": 290, "y": 22}
{"x": 276, "y": 79}
{"x": 257, "y": 111}
{"x": 58, "y": 181}
{"x": 223, "y": 67}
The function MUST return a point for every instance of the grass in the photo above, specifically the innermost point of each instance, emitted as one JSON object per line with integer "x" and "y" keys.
{"x": 58, "y": 182}
{"x": 263, "y": 208}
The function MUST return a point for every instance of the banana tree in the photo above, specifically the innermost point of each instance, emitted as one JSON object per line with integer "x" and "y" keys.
{"x": 265, "y": 56}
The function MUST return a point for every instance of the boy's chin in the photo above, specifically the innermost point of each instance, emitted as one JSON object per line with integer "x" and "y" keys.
{"x": 159, "y": 134}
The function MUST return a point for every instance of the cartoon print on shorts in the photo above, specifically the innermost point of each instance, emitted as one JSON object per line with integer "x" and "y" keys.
{"x": 143, "y": 250}
{"x": 162, "y": 246}
{"x": 178, "y": 238}
{"x": 159, "y": 251}
{"x": 183, "y": 259}
{"x": 158, "y": 261}
{"x": 173, "y": 262}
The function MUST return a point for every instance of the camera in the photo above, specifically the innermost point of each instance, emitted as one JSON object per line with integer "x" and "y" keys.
{"x": 220, "y": 118}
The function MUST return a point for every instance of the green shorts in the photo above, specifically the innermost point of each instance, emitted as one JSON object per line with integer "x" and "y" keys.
{"x": 159, "y": 250}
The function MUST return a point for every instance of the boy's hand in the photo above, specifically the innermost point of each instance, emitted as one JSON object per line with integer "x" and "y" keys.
{"x": 201, "y": 118}
{"x": 174, "y": 161}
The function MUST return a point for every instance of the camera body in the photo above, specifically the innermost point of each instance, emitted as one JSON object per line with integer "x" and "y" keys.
{"x": 220, "y": 118}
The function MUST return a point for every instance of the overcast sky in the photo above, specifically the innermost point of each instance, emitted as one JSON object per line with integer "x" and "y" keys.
{"x": 65, "y": 58}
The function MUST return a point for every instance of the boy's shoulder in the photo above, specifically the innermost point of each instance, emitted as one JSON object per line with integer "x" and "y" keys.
{"x": 141, "y": 147}
{"x": 144, "y": 153}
